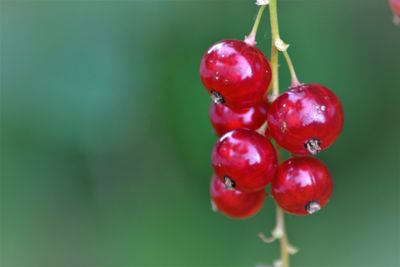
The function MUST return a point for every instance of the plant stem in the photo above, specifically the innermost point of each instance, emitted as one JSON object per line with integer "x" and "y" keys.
{"x": 295, "y": 80}
{"x": 275, "y": 74}
{"x": 274, "y": 50}
{"x": 279, "y": 45}
{"x": 251, "y": 39}
{"x": 283, "y": 240}
{"x": 279, "y": 231}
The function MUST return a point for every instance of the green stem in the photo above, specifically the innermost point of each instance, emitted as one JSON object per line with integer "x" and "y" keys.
{"x": 274, "y": 20}
{"x": 279, "y": 45}
{"x": 283, "y": 240}
{"x": 295, "y": 80}
{"x": 280, "y": 217}
{"x": 251, "y": 39}
{"x": 274, "y": 50}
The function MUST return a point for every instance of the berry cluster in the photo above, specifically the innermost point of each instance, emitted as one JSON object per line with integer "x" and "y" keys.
{"x": 304, "y": 120}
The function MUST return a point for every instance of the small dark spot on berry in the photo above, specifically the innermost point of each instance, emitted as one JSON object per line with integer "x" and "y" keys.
{"x": 229, "y": 183}
{"x": 217, "y": 97}
{"x": 313, "y": 146}
{"x": 312, "y": 207}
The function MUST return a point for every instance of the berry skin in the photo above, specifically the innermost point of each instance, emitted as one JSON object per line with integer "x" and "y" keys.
{"x": 305, "y": 119}
{"x": 302, "y": 185}
{"x": 234, "y": 203}
{"x": 225, "y": 119}
{"x": 236, "y": 74}
{"x": 244, "y": 160}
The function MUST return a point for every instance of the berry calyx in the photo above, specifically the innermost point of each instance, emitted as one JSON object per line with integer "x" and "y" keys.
{"x": 306, "y": 119}
{"x": 244, "y": 160}
{"x": 302, "y": 185}
{"x": 225, "y": 119}
{"x": 235, "y": 73}
{"x": 234, "y": 203}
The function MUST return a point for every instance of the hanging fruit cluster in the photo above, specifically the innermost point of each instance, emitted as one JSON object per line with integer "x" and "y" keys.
{"x": 304, "y": 120}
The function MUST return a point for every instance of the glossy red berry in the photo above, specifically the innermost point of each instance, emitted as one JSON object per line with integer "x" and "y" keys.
{"x": 235, "y": 73}
{"x": 234, "y": 203}
{"x": 225, "y": 119}
{"x": 302, "y": 185}
{"x": 305, "y": 119}
{"x": 244, "y": 160}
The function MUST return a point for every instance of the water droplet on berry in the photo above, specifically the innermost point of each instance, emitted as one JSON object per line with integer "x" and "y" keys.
{"x": 320, "y": 109}
{"x": 313, "y": 207}
{"x": 229, "y": 183}
{"x": 217, "y": 97}
{"x": 313, "y": 146}
{"x": 284, "y": 127}
{"x": 217, "y": 76}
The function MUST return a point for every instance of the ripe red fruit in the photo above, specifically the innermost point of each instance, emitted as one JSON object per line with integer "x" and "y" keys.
{"x": 302, "y": 185}
{"x": 244, "y": 160}
{"x": 225, "y": 119}
{"x": 305, "y": 119}
{"x": 234, "y": 203}
{"x": 235, "y": 73}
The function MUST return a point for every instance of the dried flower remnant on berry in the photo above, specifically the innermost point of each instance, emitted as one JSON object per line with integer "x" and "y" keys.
{"x": 217, "y": 98}
{"x": 313, "y": 207}
{"x": 313, "y": 146}
{"x": 229, "y": 183}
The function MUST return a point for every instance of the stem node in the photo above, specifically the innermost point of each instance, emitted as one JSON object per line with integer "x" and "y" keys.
{"x": 281, "y": 45}
{"x": 262, "y": 2}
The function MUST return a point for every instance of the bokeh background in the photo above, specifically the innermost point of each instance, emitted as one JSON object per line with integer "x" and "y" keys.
{"x": 105, "y": 138}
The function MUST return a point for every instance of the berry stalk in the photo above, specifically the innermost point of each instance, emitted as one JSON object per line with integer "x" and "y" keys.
{"x": 277, "y": 45}
{"x": 295, "y": 81}
{"x": 274, "y": 49}
{"x": 251, "y": 39}
{"x": 283, "y": 239}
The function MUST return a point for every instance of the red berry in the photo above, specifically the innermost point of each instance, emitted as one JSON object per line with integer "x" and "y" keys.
{"x": 395, "y": 5}
{"x": 236, "y": 74}
{"x": 244, "y": 160}
{"x": 234, "y": 203}
{"x": 305, "y": 119}
{"x": 225, "y": 119}
{"x": 302, "y": 185}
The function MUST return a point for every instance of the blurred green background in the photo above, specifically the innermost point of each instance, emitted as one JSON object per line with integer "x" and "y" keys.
{"x": 105, "y": 138}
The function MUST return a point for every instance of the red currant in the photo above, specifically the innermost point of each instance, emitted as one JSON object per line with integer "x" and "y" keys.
{"x": 244, "y": 160}
{"x": 305, "y": 119}
{"x": 234, "y": 203}
{"x": 302, "y": 185}
{"x": 225, "y": 119}
{"x": 235, "y": 73}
